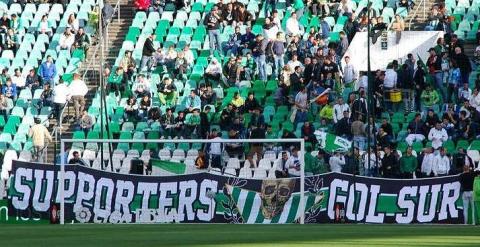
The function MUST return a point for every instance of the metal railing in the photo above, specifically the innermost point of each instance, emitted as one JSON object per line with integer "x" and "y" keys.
{"x": 93, "y": 60}
{"x": 417, "y": 8}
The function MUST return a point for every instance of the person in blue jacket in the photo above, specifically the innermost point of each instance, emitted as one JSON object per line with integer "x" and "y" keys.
{"x": 48, "y": 71}
{"x": 10, "y": 90}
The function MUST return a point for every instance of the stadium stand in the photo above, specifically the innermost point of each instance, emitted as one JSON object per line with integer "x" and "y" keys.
{"x": 171, "y": 79}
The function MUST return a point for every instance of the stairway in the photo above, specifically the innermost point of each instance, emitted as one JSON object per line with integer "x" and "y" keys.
{"x": 419, "y": 19}
{"x": 117, "y": 30}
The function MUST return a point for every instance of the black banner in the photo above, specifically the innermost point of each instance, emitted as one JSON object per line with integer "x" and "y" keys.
{"x": 93, "y": 196}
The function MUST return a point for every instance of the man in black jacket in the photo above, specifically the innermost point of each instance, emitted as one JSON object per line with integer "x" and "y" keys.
{"x": 390, "y": 166}
{"x": 212, "y": 21}
{"x": 463, "y": 63}
{"x": 147, "y": 53}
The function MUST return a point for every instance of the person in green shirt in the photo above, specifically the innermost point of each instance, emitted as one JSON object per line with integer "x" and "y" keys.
{"x": 115, "y": 81}
{"x": 429, "y": 97}
{"x": 318, "y": 165}
{"x": 192, "y": 121}
{"x": 408, "y": 164}
{"x": 327, "y": 112}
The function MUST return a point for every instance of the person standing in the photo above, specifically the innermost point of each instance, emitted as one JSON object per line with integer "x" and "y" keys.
{"x": 441, "y": 166}
{"x": 212, "y": 21}
{"x": 78, "y": 89}
{"x": 337, "y": 162}
{"x": 466, "y": 185}
{"x": 408, "y": 164}
{"x": 48, "y": 71}
{"x": 427, "y": 163}
{"x": 259, "y": 53}
{"x": 147, "y": 53}
{"x": 434, "y": 64}
{"x": 40, "y": 138}
{"x": 438, "y": 135}
{"x": 389, "y": 167}
{"x": 61, "y": 95}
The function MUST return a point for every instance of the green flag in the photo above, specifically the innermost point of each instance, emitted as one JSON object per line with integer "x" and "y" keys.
{"x": 172, "y": 167}
{"x": 331, "y": 143}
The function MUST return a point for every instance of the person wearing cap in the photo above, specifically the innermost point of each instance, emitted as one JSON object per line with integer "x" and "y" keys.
{"x": 441, "y": 165}
{"x": 437, "y": 135}
{"x": 40, "y": 138}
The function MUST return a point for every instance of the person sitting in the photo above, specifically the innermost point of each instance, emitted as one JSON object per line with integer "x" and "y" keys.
{"x": 207, "y": 95}
{"x": 82, "y": 41}
{"x": 46, "y": 98}
{"x": 44, "y": 26}
{"x": 167, "y": 92}
{"x": 141, "y": 87}
{"x": 192, "y": 102}
{"x": 32, "y": 81}
{"x": 67, "y": 39}
{"x": 11, "y": 41}
{"x": 251, "y": 103}
{"x": 238, "y": 101}
{"x": 10, "y": 90}
{"x": 181, "y": 66}
{"x": 233, "y": 44}
{"x": 144, "y": 106}
{"x": 192, "y": 122}
{"x": 213, "y": 71}
{"x": 76, "y": 160}
{"x": 131, "y": 109}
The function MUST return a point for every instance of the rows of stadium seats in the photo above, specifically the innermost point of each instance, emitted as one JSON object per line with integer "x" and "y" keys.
{"x": 466, "y": 15}
{"x": 33, "y": 50}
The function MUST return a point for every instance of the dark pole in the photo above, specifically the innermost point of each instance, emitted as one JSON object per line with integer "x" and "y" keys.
{"x": 370, "y": 101}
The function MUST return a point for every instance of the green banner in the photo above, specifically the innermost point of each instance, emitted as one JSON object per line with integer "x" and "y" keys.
{"x": 172, "y": 167}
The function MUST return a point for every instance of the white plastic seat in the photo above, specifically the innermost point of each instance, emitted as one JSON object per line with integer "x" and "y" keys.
{"x": 133, "y": 153}
{"x": 25, "y": 156}
{"x": 89, "y": 155}
{"x": 265, "y": 164}
{"x": 216, "y": 171}
{"x": 259, "y": 173}
{"x": 178, "y": 154}
{"x": 192, "y": 153}
{"x": 231, "y": 172}
{"x": 164, "y": 154}
{"x": 189, "y": 162}
{"x": 271, "y": 173}
{"x": 245, "y": 172}
{"x": 270, "y": 155}
{"x": 233, "y": 163}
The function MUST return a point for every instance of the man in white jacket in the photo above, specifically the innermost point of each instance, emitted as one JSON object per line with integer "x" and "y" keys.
{"x": 441, "y": 166}
{"x": 427, "y": 163}
{"x": 336, "y": 162}
{"x": 437, "y": 135}
{"x": 339, "y": 108}
{"x": 293, "y": 164}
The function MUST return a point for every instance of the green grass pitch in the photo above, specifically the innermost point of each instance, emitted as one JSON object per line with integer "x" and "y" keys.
{"x": 238, "y": 235}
